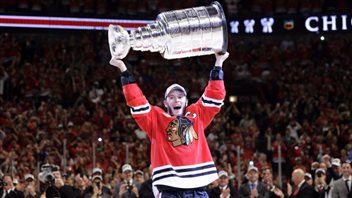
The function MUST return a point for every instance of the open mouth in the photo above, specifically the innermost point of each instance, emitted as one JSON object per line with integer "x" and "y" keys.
{"x": 177, "y": 108}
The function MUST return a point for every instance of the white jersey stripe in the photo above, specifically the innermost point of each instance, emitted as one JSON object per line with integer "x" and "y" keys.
{"x": 140, "y": 109}
{"x": 210, "y": 102}
{"x": 212, "y": 99}
{"x": 185, "y": 176}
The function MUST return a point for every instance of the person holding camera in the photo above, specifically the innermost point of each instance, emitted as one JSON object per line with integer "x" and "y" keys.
{"x": 97, "y": 189}
{"x": 53, "y": 186}
{"x": 9, "y": 190}
{"x": 128, "y": 188}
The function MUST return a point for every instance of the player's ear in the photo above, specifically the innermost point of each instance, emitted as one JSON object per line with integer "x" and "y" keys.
{"x": 165, "y": 104}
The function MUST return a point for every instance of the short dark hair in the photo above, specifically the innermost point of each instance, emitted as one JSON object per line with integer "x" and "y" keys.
{"x": 8, "y": 175}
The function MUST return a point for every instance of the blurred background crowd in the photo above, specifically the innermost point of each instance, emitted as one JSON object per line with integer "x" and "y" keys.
{"x": 62, "y": 103}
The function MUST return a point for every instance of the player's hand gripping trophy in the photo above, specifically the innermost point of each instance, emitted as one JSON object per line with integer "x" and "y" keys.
{"x": 175, "y": 34}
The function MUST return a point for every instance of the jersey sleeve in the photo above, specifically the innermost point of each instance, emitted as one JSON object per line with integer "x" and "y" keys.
{"x": 139, "y": 106}
{"x": 211, "y": 101}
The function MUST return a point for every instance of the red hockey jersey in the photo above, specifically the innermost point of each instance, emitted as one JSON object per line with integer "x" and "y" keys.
{"x": 180, "y": 154}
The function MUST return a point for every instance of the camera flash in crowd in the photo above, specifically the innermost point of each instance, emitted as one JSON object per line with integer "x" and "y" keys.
{"x": 322, "y": 38}
{"x": 100, "y": 139}
{"x": 233, "y": 99}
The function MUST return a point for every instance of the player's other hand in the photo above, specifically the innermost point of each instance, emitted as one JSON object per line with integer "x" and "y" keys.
{"x": 118, "y": 63}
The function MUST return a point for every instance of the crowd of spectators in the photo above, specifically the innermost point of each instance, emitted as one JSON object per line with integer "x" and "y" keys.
{"x": 149, "y": 9}
{"x": 57, "y": 91}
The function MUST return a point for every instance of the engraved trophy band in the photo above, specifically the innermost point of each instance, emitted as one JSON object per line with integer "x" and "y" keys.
{"x": 175, "y": 34}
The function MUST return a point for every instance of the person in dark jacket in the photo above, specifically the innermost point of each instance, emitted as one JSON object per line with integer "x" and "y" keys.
{"x": 97, "y": 189}
{"x": 146, "y": 189}
{"x": 9, "y": 190}
{"x": 302, "y": 189}
{"x": 254, "y": 187}
{"x": 224, "y": 189}
{"x": 53, "y": 184}
{"x": 268, "y": 180}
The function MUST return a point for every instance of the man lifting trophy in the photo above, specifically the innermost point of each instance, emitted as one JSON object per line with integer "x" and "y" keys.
{"x": 175, "y": 34}
{"x": 180, "y": 157}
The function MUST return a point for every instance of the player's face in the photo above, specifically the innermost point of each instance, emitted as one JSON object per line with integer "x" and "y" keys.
{"x": 176, "y": 102}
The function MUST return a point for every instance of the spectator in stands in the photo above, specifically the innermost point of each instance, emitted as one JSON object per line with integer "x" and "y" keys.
{"x": 278, "y": 143}
{"x": 147, "y": 189}
{"x": 30, "y": 187}
{"x": 301, "y": 188}
{"x": 335, "y": 170}
{"x": 127, "y": 188}
{"x": 331, "y": 168}
{"x": 138, "y": 176}
{"x": 268, "y": 180}
{"x": 309, "y": 179}
{"x": 320, "y": 185}
{"x": 342, "y": 186}
{"x": 97, "y": 189}
{"x": 254, "y": 187}
{"x": 9, "y": 190}
{"x": 96, "y": 92}
{"x": 53, "y": 184}
{"x": 224, "y": 189}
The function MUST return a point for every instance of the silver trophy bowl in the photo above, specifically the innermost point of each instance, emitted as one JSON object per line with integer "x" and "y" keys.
{"x": 175, "y": 34}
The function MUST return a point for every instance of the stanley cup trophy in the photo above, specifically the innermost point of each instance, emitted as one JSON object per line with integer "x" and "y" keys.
{"x": 175, "y": 34}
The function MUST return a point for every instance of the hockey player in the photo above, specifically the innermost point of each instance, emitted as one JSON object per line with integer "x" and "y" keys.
{"x": 180, "y": 156}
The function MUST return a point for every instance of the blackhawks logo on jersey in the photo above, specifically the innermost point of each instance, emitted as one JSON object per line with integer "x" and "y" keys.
{"x": 180, "y": 131}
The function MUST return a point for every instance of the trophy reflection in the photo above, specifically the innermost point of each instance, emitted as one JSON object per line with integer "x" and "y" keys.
{"x": 175, "y": 34}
